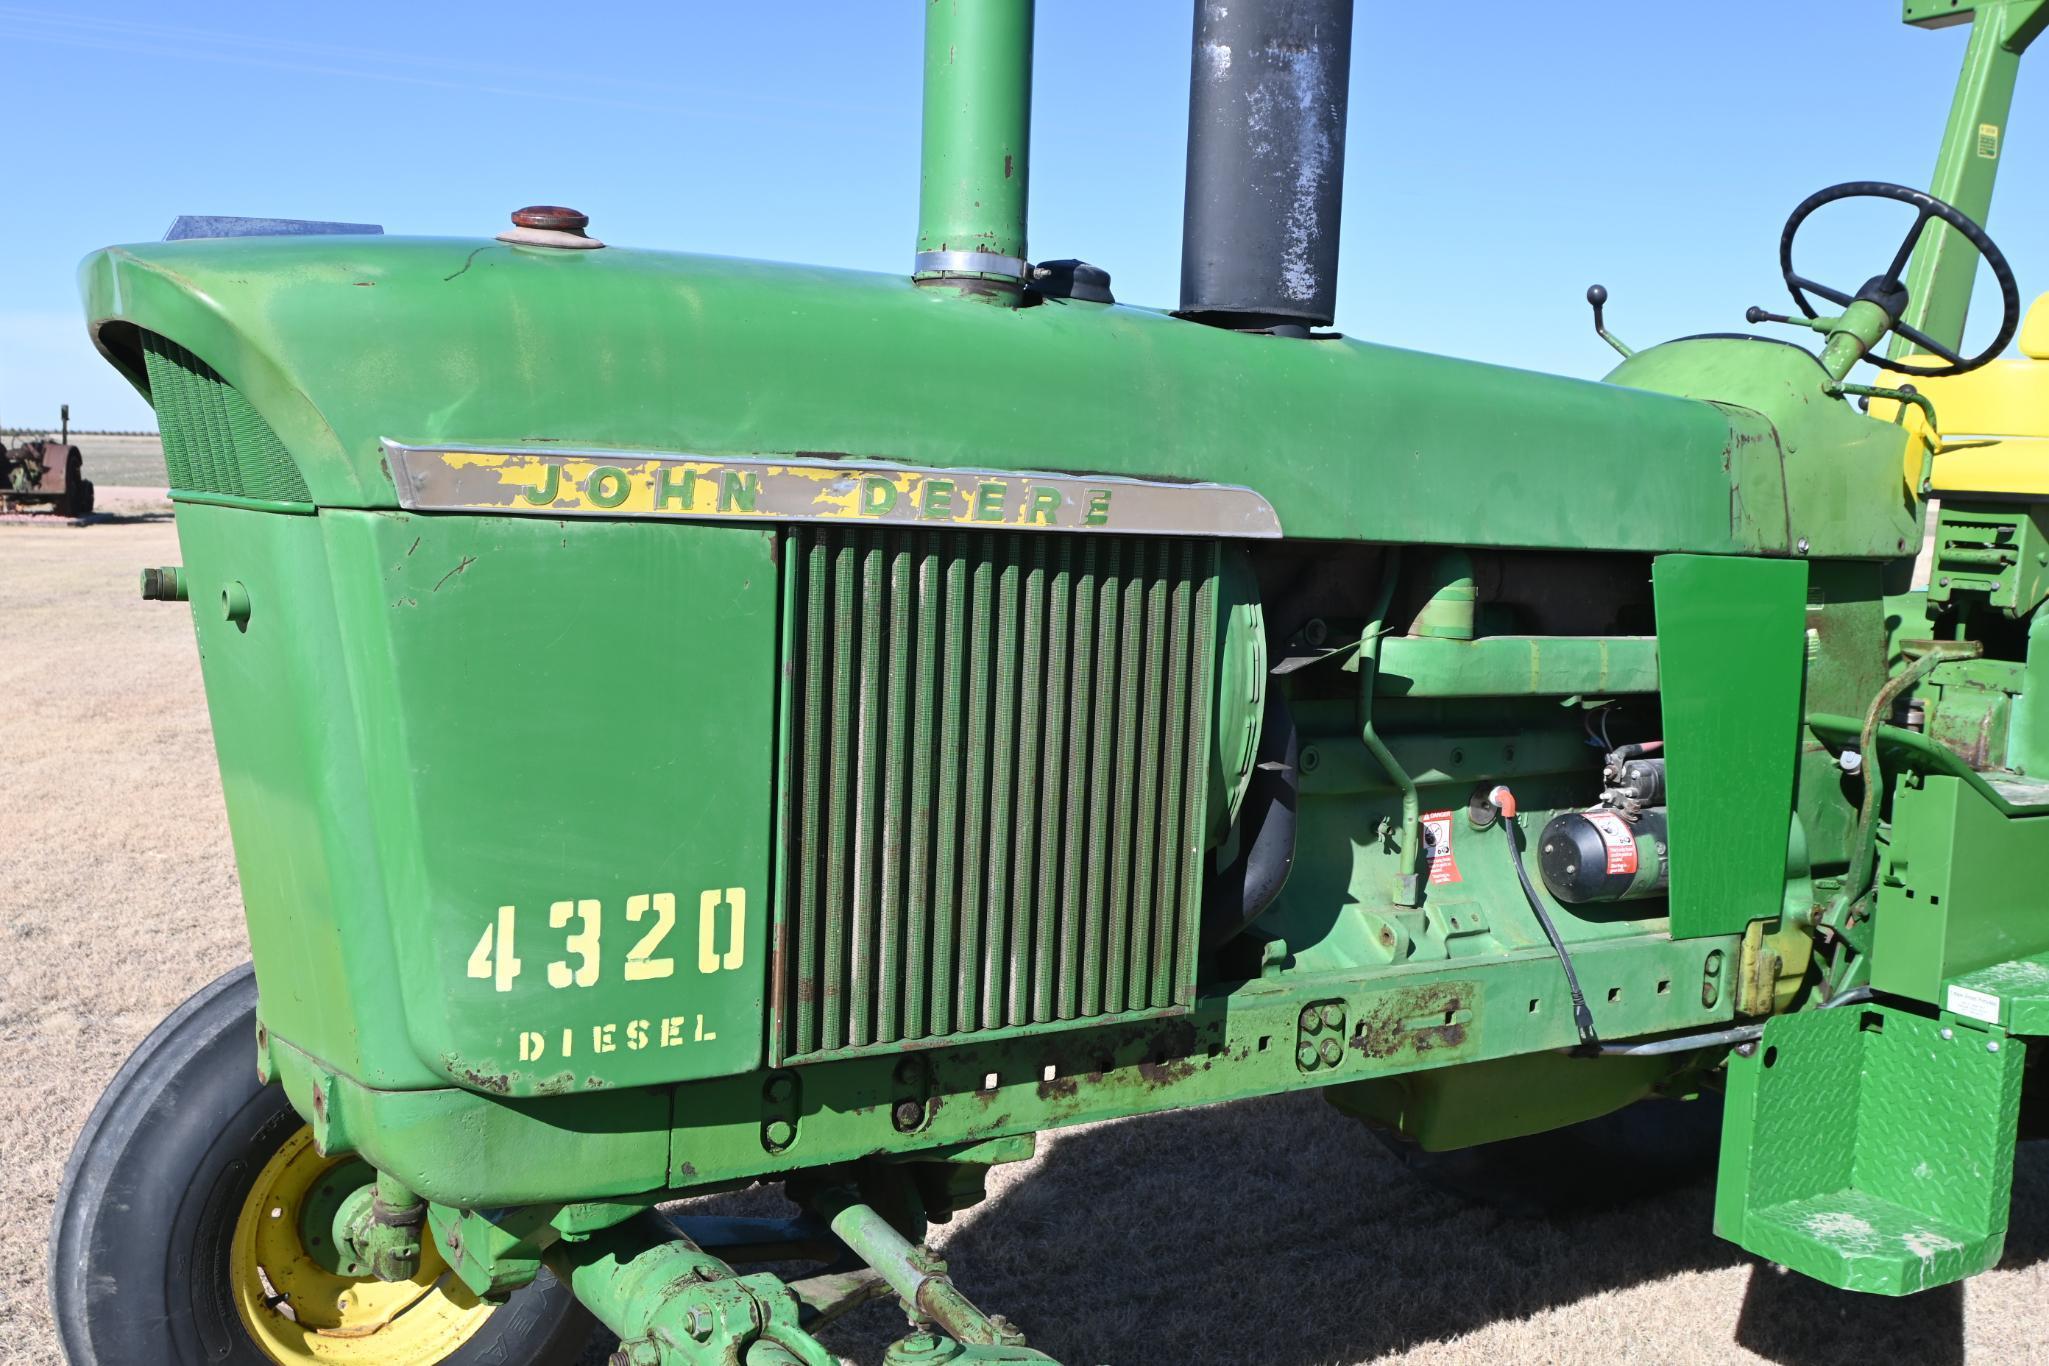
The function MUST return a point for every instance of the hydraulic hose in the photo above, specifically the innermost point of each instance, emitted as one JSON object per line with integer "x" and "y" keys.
{"x": 1503, "y": 802}
{"x": 1863, "y": 848}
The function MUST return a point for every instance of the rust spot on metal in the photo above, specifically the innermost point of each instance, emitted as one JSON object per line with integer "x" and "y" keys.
{"x": 1058, "y": 1088}
{"x": 498, "y": 1083}
{"x": 1413, "y": 1021}
{"x": 1006, "y": 166}
{"x": 1166, "y": 1072}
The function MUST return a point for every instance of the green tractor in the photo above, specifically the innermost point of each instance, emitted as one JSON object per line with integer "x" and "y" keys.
{"x": 689, "y": 723}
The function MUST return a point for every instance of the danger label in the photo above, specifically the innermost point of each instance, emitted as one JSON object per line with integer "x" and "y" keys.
{"x": 1617, "y": 839}
{"x": 1437, "y": 846}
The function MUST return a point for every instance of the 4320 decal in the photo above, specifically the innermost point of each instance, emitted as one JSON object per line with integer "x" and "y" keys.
{"x": 577, "y": 930}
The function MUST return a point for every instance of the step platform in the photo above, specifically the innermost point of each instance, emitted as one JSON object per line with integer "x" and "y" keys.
{"x": 1871, "y": 1148}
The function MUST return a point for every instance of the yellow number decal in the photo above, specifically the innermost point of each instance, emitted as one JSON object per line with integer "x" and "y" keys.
{"x": 584, "y": 943}
{"x": 493, "y": 958}
{"x": 641, "y": 964}
{"x": 709, "y": 959}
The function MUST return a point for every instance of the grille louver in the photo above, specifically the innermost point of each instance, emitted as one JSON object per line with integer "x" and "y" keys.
{"x": 214, "y": 440}
{"x": 994, "y": 787}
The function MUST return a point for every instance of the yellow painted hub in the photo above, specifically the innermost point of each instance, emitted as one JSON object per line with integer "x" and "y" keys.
{"x": 299, "y": 1312}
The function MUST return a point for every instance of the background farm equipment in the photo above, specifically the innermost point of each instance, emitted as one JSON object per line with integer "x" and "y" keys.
{"x": 693, "y": 723}
{"x": 46, "y": 473}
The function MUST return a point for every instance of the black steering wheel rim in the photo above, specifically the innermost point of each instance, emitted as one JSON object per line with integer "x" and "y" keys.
{"x": 1927, "y": 207}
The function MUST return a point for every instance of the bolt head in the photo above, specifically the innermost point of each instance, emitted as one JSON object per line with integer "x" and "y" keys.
{"x": 1331, "y": 1051}
{"x": 779, "y": 1133}
{"x": 1333, "y": 1016}
{"x": 1991, "y": 1045}
{"x": 1312, "y": 1019}
{"x": 1801, "y": 545}
{"x": 909, "y": 1115}
{"x": 1948, "y": 1034}
{"x": 1305, "y": 1056}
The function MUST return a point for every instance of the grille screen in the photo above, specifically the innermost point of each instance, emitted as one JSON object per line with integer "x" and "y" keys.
{"x": 992, "y": 810}
{"x": 214, "y": 441}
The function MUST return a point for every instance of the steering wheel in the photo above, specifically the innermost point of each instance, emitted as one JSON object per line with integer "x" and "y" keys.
{"x": 1889, "y": 291}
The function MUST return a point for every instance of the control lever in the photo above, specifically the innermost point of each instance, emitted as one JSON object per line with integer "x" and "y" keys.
{"x": 1597, "y": 295}
{"x": 1755, "y": 315}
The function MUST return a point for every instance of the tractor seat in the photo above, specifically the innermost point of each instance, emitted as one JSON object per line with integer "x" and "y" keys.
{"x": 1995, "y": 422}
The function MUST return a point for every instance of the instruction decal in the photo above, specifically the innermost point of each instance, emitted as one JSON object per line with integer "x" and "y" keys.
{"x": 1618, "y": 839}
{"x": 1437, "y": 847}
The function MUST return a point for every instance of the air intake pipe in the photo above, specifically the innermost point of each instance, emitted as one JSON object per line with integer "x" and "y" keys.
{"x": 1266, "y": 163}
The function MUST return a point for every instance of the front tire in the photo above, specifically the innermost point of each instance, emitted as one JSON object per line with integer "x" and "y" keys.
{"x": 174, "y": 1238}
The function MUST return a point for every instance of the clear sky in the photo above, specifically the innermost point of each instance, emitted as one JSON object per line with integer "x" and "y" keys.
{"x": 1503, "y": 153}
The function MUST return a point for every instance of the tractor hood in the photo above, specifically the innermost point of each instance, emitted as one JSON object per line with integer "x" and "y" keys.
{"x": 341, "y": 343}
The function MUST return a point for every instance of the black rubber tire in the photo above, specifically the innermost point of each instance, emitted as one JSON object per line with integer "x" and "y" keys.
{"x": 139, "y": 1244}
{"x": 1640, "y": 1151}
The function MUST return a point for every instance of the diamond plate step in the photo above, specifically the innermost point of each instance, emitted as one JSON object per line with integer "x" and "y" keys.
{"x": 1871, "y": 1148}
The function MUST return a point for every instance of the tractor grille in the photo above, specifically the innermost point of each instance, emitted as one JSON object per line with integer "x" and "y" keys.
{"x": 214, "y": 441}
{"x": 994, "y": 789}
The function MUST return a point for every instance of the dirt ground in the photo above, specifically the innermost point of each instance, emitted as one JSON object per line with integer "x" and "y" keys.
{"x": 1274, "y": 1231}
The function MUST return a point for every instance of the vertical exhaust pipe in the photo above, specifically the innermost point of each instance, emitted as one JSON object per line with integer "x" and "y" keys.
{"x": 975, "y": 154}
{"x": 1266, "y": 163}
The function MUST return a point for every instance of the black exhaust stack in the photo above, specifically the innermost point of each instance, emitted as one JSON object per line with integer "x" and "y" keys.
{"x": 1266, "y": 163}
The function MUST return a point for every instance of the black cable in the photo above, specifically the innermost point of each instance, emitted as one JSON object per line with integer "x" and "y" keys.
{"x": 1582, "y": 1018}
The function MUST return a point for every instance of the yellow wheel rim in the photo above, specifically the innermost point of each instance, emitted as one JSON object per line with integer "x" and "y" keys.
{"x": 298, "y": 1311}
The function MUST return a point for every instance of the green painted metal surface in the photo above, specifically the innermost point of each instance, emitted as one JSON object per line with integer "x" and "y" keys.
{"x": 466, "y": 1148}
{"x": 975, "y": 165}
{"x": 1870, "y": 1148}
{"x": 1517, "y": 666}
{"x": 479, "y": 838}
{"x": 1809, "y": 469}
{"x": 1732, "y": 652}
{"x": 1960, "y": 890}
{"x": 2013, "y": 995}
{"x": 412, "y": 339}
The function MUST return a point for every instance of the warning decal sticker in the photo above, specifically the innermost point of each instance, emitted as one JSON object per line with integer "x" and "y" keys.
{"x": 1437, "y": 845}
{"x": 1617, "y": 839}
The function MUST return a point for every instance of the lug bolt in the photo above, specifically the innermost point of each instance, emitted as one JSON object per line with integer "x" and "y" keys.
{"x": 1333, "y": 1017}
{"x": 1331, "y": 1051}
{"x": 1305, "y": 1056}
{"x": 1312, "y": 1019}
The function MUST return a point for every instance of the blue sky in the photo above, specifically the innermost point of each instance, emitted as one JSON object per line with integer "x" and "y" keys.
{"x": 1503, "y": 154}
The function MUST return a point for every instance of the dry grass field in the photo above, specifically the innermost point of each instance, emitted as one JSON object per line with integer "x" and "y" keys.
{"x": 1270, "y": 1232}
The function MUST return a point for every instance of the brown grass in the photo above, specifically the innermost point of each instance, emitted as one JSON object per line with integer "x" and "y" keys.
{"x": 1274, "y": 1231}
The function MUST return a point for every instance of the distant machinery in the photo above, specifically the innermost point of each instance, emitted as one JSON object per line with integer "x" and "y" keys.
{"x": 46, "y": 473}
